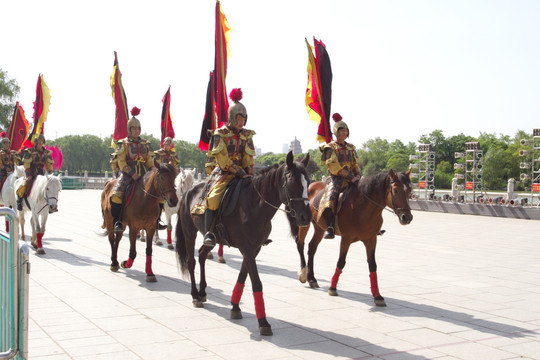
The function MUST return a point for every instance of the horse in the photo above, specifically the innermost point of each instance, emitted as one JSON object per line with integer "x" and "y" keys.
{"x": 183, "y": 182}
{"x": 247, "y": 224}
{"x": 7, "y": 195}
{"x": 41, "y": 201}
{"x": 360, "y": 219}
{"x": 140, "y": 212}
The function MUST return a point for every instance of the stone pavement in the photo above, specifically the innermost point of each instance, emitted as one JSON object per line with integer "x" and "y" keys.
{"x": 457, "y": 287}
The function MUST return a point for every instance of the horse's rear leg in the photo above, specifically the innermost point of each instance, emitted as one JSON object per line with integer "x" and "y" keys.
{"x": 150, "y": 277}
{"x": 168, "y": 215}
{"x": 318, "y": 233}
{"x": 203, "y": 254}
{"x": 114, "y": 241}
{"x": 372, "y": 264}
{"x": 302, "y": 233}
{"x": 343, "y": 249}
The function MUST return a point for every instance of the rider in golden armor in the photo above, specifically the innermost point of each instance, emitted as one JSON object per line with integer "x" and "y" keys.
{"x": 134, "y": 158}
{"x": 36, "y": 160}
{"x": 341, "y": 160}
{"x": 8, "y": 160}
{"x": 231, "y": 147}
{"x": 165, "y": 155}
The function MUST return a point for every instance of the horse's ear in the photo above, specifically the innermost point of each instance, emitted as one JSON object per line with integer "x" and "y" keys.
{"x": 408, "y": 172}
{"x": 290, "y": 159}
{"x": 305, "y": 162}
{"x": 392, "y": 174}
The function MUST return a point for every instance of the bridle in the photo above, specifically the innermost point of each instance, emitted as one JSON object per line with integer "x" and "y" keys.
{"x": 159, "y": 186}
{"x": 47, "y": 197}
{"x": 288, "y": 199}
{"x": 393, "y": 210}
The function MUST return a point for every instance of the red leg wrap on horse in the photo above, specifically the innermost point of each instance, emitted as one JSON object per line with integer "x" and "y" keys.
{"x": 149, "y": 265}
{"x": 220, "y": 250}
{"x": 374, "y": 284}
{"x": 7, "y": 226}
{"x": 335, "y": 278}
{"x": 39, "y": 236}
{"x": 129, "y": 263}
{"x": 259, "y": 305}
{"x": 237, "y": 293}
{"x": 169, "y": 237}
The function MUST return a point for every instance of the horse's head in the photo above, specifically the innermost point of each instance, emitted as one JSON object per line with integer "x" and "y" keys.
{"x": 293, "y": 192}
{"x": 184, "y": 181}
{"x": 53, "y": 187}
{"x": 166, "y": 174}
{"x": 398, "y": 195}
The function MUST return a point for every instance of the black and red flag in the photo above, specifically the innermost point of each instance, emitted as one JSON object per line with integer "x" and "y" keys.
{"x": 120, "y": 100}
{"x": 217, "y": 104}
{"x": 166, "y": 120}
{"x": 319, "y": 89}
{"x": 41, "y": 110}
{"x": 18, "y": 128}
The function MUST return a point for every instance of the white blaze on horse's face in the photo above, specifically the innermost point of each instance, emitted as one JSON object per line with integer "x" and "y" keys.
{"x": 304, "y": 192}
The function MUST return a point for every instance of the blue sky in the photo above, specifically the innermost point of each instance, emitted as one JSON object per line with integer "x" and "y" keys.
{"x": 401, "y": 68}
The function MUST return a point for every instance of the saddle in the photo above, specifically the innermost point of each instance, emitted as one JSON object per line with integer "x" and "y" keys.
{"x": 339, "y": 205}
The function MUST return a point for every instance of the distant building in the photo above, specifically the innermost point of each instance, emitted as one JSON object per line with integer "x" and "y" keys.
{"x": 295, "y": 147}
{"x": 258, "y": 151}
{"x": 285, "y": 148}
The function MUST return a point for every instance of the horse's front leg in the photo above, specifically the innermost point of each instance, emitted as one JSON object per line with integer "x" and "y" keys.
{"x": 343, "y": 249}
{"x": 300, "y": 241}
{"x": 150, "y": 277}
{"x": 114, "y": 241}
{"x": 236, "y": 312}
{"x": 318, "y": 233}
{"x": 21, "y": 223}
{"x": 256, "y": 284}
{"x": 132, "y": 248}
{"x": 371, "y": 245}
{"x": 168, "y": 216}
{"x": 203, "y": 253}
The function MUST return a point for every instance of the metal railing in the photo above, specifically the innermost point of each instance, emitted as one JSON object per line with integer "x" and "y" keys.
{"x": 14, "y": 274}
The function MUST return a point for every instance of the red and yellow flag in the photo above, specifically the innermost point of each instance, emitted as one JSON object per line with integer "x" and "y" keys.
{"x": 119, "y": 96}
{"x": 18, "y": 128}
{"x": 41, "y": 110}
{"x": 217, "y": 104}
{"x": 166, "y": 120}
{"x": 319, "y": 89}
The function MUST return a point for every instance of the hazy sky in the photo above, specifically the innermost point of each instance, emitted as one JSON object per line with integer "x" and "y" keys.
{"x": 401, "y": 68}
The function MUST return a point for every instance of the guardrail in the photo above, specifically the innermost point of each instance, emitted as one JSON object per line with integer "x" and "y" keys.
{"x": 14, "y": 273}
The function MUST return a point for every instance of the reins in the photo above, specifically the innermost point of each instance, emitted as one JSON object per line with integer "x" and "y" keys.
{"x": 393, "y": 210}
{"x": 160, "y": 187}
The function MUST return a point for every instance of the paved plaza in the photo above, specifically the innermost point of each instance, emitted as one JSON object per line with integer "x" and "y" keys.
{"x": 456, "y": 286}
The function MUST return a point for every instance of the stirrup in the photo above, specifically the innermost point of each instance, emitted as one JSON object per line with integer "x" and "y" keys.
{"x": 330, "y": 234}
{"x": 19, "y": 204}
{"x": 209, "y": 239}
{"x": 118, "y": 227}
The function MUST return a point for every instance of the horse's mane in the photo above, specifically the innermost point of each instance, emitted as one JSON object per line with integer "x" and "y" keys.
{"x": 371, "y": 183}
{"x": 267, "y": 178}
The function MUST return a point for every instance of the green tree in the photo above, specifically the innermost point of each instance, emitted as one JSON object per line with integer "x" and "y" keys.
{"x": 9, "y": 90}
{"x": 190, "y": 155}
{"x": 372, "y": 156}
{"x": 398, "y": 156}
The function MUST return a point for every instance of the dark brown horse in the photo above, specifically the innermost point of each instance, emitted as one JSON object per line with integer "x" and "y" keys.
{"x": 248, "y": 226}
{"x": 140, "y": 212}
{"x": 360, "y": 218}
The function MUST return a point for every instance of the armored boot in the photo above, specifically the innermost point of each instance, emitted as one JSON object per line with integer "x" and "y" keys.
{"x": 159, "y": 224}
{"x": 116, "y": 209}
{"x": 19, "y": 203}
{"x": 209, "y": 237}
{"x": 330, "y": 220}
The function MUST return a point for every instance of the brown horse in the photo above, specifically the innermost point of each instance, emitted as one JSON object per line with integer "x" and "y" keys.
{"x": 140, "y": 212}
{"x": 248, "y": 225}
{"x": 360, "y": 218}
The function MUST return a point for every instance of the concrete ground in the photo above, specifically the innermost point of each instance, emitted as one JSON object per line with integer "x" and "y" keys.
{"x": 457, "y": 287}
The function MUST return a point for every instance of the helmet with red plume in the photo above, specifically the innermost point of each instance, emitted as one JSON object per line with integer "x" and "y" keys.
{"x": 237, "y": 108}
{"x": 340, "y": 124}
{"x": 134, "y": 122}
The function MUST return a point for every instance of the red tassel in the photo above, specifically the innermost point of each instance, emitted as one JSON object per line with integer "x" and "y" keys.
{"x": 39, "y": 236}
{"x": 236, "y": 94}
{"x": 237, "y": 293}
{"x": 335, "y": 278}
{"x": 374, "y": 284}
{"x": 135, "y": 111}
{"x": 336, "y": 117}
{"x": 259, "y": 305}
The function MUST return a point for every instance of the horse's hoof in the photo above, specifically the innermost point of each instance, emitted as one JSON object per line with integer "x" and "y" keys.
{"x": 210, "y": 256}
{"x": 236, "y": 314}
{"x": 302, "y": 275}
{"x": 34, "y": 244}
{"x": 151, "y": 278}
{"x": 221, "y": 260}
{"x": 197, "y": 304}
{"x": 114, "y": 268}
{"x": 313, "y": 284}
{"x": 203, "y": 298}
{"x": 170, "y": 246}
{"x": 379, "y": 301}
{"x": 265, "y": 330}
{"x": 40, "y": 251}
{"x": 332, "y": 292}
{"x": 123, "y": 265}
{"x": 158, "y": 242}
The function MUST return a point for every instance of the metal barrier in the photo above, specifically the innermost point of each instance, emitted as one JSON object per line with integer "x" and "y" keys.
{"x": 14, "y": 272}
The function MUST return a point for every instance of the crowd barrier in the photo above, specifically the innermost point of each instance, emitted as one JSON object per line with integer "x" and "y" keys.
{"x": 14, "y": 273}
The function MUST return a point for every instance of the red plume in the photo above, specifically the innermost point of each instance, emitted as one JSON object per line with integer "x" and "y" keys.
{"x": 336, "y": 117}
{"x": 135, "y": 111}
{"x": 3, "y": 134}
{"x": 236, "y": 95}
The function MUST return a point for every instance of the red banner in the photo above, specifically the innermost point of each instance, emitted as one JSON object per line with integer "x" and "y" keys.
{"x": 166, "y": 120}
{"x": 120, "y": 100}
{"x": 469, "y": 185}
{"x": 18, "y": 128}
{"x": 536, "y": 187}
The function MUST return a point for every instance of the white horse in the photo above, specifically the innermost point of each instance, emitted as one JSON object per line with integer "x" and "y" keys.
{"x": 184, "y": 181}
{"x": 7, "y": 195}
{"x": 42, "y": 201}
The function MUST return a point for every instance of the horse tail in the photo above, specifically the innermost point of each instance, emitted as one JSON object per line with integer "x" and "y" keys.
{"x": 181, "y": 252}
